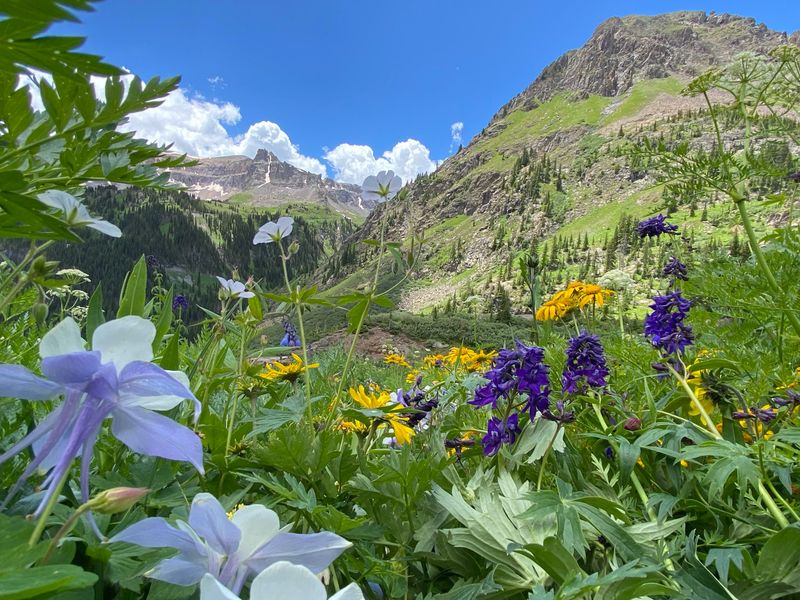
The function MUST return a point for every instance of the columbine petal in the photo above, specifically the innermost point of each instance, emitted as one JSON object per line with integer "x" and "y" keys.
{"x": 258, "y": 525}
{"x": 18, "y": 382}
{"x": 149, "y": 433}
{"x": 315, "y": 551}
{"x": 246, "y": 294}
{"x": 62, "y": 339}
{"x": 140, "y": 382}
{"x": 125, "y": 340}
{"x": 105, "y": 227}
{"x": 286, "y": 581}
{"x": 285, "y": 225}
{"x": 209, "y": 520}
{"x": 211, "y": 589}
{"x": 75, "y": 368}
{"x": 370, "y": 184}
{"x": 155, "y": 532}
{"x": 178, "y": 570}
{"x": 351, "y": 592}
{"x": 262, "y": 237}
{"x": 225, "y": 283}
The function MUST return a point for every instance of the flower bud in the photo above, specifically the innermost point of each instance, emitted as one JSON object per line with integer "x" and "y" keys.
{"x": 294, "y": 247}
{"x": 39, "y": 312}
{"x": 116, "y": 500}
{"x": 633, "y": 424}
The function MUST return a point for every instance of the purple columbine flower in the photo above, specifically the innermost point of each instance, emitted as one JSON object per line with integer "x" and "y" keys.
{"x": 675, "y": 269}
{"x": 655, "y": 226}
{"x": 586, "y": 364}
{"x": 500, "y": 432}
{"x": 114, "y": 379}
{"x": 180, "y": 302}
{"x": 290, "y": 337}
{"x": 233, "y": 289}
{"x": 230, "y": 549}
{"x": 665, "y": 325}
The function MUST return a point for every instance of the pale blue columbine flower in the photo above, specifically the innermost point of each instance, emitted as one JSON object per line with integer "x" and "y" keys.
{"x": 234, "y": 289}
{"x": 274, "y": 231}
{"x": 381, "y": 187}
{"x": 115, "y": 379}
{"x": 69, "y": 208}
{"x": 230, "y": 549}
{"x": 281, "y": 581}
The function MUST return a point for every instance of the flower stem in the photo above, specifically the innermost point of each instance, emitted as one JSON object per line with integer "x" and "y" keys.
{"x": 65, "y": 529}
{"x": 546, "y": 456}
{"x": 762, "y": 262}
{"x": 42, "y": 522}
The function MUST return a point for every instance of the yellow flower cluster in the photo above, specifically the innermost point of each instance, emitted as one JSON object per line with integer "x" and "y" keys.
{"x": 402, "y": 432}
{"x": 470, "y": 360}
{"x": 396, "y": 359}
{"x": 278, "y": 371}
{"x": 576, "y": 295}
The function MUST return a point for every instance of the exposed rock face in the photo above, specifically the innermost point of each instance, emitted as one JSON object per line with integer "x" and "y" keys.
{"x": 267, "y": 181}
{"x": 625, "y": 50}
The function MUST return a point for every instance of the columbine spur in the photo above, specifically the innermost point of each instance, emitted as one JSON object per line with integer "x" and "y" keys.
{"x": 381, "y": 187}
{"x": 273, "y": 231}
{"x": 229, "y": 549}
{"x": 115, "y": 379}
{"x": 281, "y": 581}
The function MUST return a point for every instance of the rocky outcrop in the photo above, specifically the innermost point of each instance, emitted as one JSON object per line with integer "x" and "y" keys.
{"x": 267, "y": 181}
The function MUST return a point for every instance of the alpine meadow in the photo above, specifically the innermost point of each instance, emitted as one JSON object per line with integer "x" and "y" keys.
{"x": 562, "y": 363}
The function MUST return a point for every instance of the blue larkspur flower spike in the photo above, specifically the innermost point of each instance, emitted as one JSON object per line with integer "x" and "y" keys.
{"x": 666, "y": 326}
{"x": 675, "y": 269}
{"x": 655, "y": 226}
{"x": 180, "y": 302}
{"x": 585, "y": 365}
{"x": 290, "y": 338}
{"x": 231, "y": 549}
{"x": 115, "y": 380}
{"x": 500, "y": 432}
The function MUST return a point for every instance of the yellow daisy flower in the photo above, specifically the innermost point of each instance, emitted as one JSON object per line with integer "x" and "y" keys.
{"x": 402, "y": 432}
{"x": 396, "y": 359}
{"x": 277, "y": 371}
{"x": 551, "y": 310}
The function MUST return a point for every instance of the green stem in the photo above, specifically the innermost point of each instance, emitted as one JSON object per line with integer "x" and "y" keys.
{"x": 762, "y": 262}
{"x": 42, "y": 522}
{"x": 546, "y": 456}
{"x": 65, "y": 529}
{"x": 304, "y": 346}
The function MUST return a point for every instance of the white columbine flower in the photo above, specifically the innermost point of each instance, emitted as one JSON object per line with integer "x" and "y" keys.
{"x": 75, "y": 214}
{"x": 234, "y": 289}
{"x": 281, "y": 581}
{"x": 381, "y": 187}
{"x": 273, "y": 231}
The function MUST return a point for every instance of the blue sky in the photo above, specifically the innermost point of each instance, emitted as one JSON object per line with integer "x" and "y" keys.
{"x": 366, "y": 74}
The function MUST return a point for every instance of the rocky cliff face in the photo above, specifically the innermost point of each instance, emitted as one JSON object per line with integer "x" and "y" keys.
{"x": 625, "y": 50}
{"x": 267, "y": 181}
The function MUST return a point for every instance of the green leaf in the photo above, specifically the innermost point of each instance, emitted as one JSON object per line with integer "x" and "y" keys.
{"x": 164, "y": 321}
{"x": 554, "y": 558}
{"x": 19, "y": 584}
{"x": 171, "y": 359}
{"x": 779, "y": 559}
{"x": 134, "y": 291}
{"x": 94, "y": 313}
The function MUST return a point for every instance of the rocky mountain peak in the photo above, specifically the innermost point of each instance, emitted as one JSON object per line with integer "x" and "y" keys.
{"x": 624, "y": 50}
{"x": 265, "y": 180}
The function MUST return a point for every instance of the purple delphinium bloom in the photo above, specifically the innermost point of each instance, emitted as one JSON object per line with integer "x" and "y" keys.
{"x": 180, "y": 302}
{"x": 500, "y": 432}
{"x": 675, "y": 269}
{"x": 655, "y": 226}
{"x": 586, "y": 364}
{"x": 665, "y": 325}
{"x": 561, "y": 415}
{"x": 533, "y": 378}
{"x": 765, "y": 415}
{"x": 152, "y": 261}
{"x": 230, "y": 549}
{"x": 114, "y": 379}
{"x": 290, "y": 338}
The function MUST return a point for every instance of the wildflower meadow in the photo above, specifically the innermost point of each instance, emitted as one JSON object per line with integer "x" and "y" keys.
{"x": 639, "y": 439}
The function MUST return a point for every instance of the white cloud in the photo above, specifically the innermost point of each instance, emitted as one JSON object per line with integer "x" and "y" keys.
{"x": 352, "y": 163}
{"x": 217, "y": 82}
{"x": 456, "y": 129}
{"x": 198, "y": 127}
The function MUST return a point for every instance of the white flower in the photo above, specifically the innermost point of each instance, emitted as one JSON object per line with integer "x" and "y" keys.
{"x": 281, "y": 581}
{"x": 273, "y": 231}
{"x": 75, "y": 213}
{"x": 381, "y": 187}
{"x": 234, "y": 289}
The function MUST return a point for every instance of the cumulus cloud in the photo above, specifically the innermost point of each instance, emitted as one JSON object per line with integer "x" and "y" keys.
{"x": 456, "y": 129}
{"x": 198, "y": 127}
{"x": 352, "y": 163}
